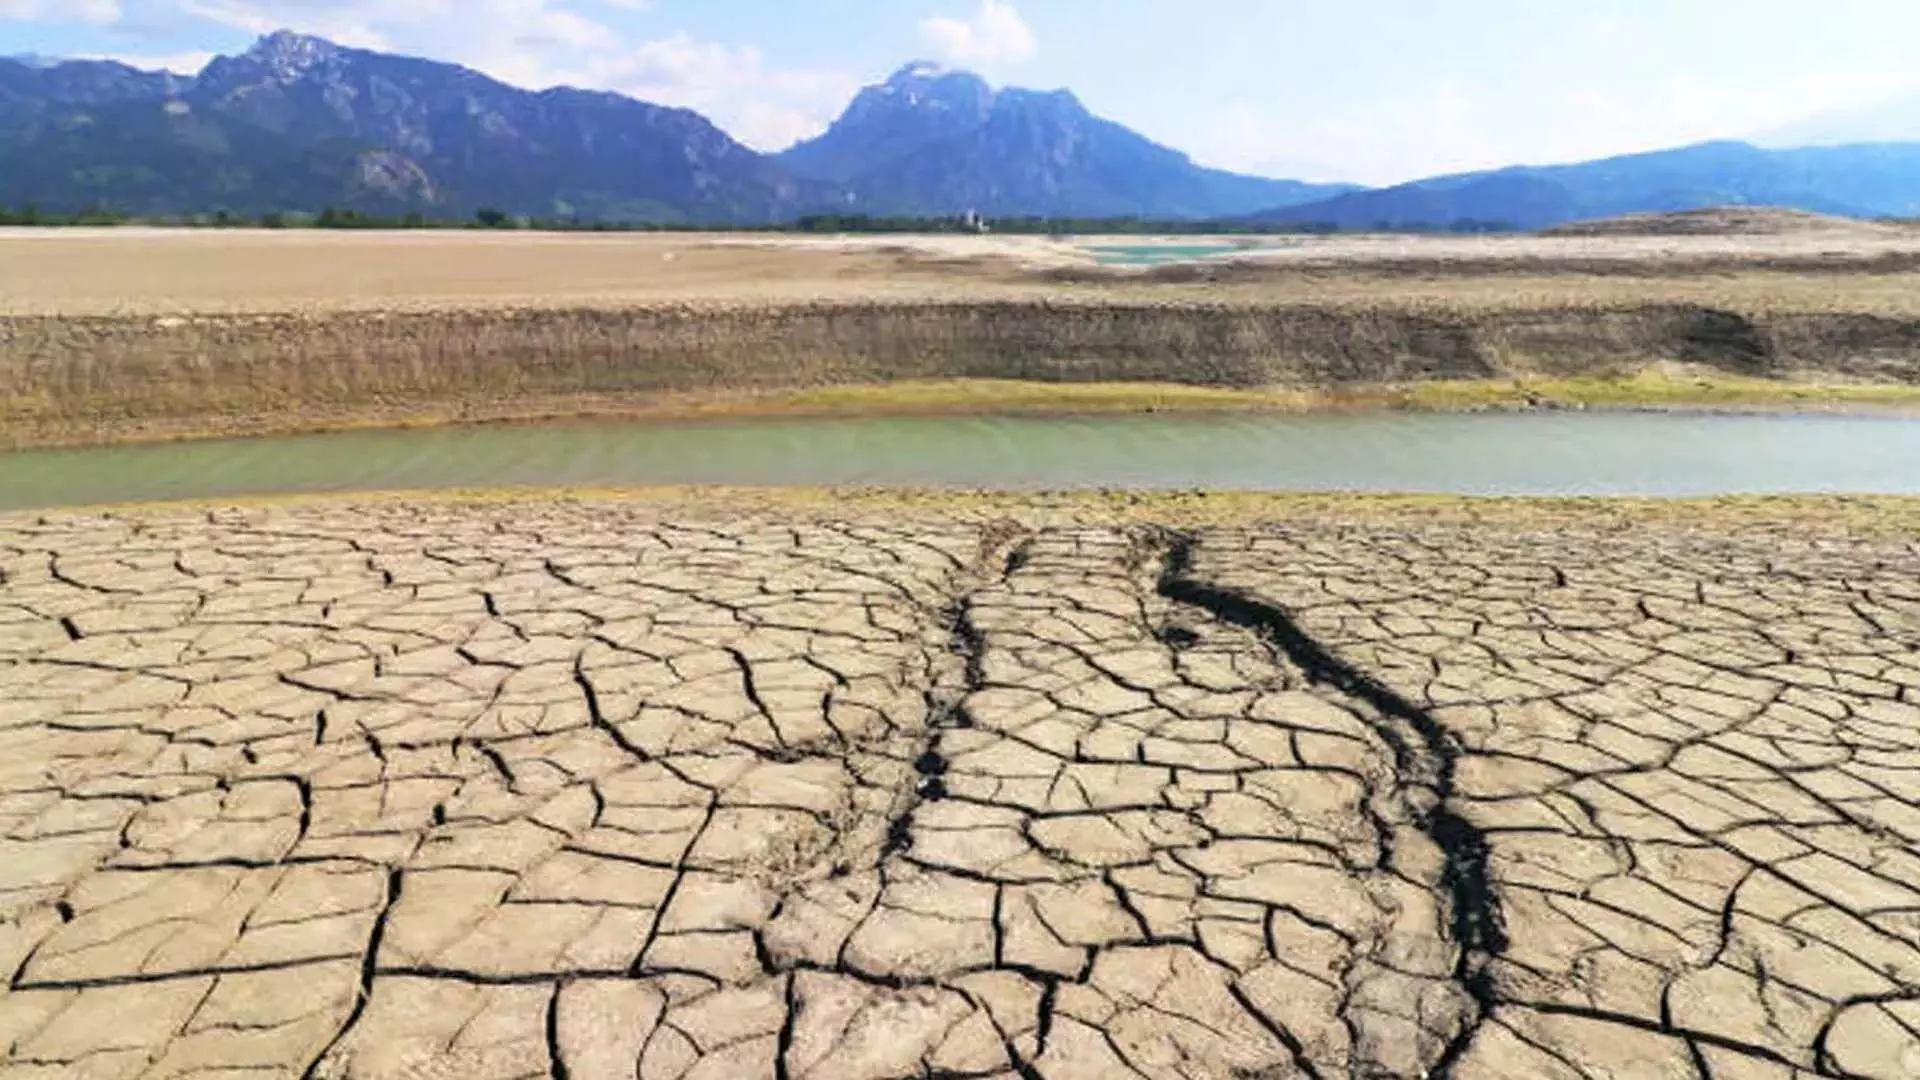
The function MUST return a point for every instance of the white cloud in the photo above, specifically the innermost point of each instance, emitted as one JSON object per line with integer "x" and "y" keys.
{"x": 348, "y": 23}
{"x": 995, "y": 35}
{"x": 541, "y": 43}
{"x": 86, "y": 11}
{"x": 765, "y": 107}
{"x": 185, "y": 63}
{"x": 1447, "y": 129}
{"x": 514, "y": 39}
{"x": 1375, "y": 142}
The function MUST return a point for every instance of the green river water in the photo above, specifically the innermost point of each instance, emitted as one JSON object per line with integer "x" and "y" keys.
{"x": 1156, "y": 254}
{"x": 1508, "y": 454}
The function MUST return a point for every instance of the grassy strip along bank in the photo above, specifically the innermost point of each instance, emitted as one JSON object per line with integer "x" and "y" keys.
{"x": 76, "y": 379}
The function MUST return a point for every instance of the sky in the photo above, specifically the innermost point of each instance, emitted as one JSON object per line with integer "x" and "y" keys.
{"x": 1374, "y": 91}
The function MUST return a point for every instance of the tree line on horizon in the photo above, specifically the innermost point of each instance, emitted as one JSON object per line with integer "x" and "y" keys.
{"x": 487, "y": 218}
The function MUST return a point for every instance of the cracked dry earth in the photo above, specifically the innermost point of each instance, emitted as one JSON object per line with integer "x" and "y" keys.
{"x": 566, "y": 790}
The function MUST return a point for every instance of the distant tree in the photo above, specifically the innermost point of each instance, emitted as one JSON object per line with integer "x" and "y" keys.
{"x": 414, "y": 220}
{"x": 1477, "y": 225}
{"x": 273, "y": 220}
{"x": 489, "y": 218}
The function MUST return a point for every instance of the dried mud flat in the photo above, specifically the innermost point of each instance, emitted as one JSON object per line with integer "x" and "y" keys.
{"x": 147, "y": 274}
{"x": 594, "y": 789}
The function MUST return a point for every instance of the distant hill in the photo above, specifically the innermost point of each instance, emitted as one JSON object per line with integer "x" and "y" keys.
{"x": 1726, "y": 221}
{"x": 83, "y": 134}
{"x": 297, "y": 122}
{"x": 1860, "y": 181}
{"x": 37, "y": 82}
{"x": 929, "y": 141}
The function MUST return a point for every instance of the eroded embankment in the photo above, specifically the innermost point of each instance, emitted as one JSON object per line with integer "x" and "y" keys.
{"x": 69, "y": 379}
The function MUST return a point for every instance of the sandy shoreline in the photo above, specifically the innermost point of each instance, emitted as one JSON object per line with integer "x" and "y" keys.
{"x": 1884, "y": 516}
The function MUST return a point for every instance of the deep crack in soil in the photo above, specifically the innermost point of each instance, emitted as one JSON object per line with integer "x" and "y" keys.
{"x": 1424, "y": 759}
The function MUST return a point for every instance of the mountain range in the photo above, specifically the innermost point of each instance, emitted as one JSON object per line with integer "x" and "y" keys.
{"x": 297, "y": 123}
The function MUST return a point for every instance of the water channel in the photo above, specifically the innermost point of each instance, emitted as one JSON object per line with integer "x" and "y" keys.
{"x": 1656, "y": 454}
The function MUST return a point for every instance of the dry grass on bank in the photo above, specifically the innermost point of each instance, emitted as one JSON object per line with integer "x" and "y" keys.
{"x": 1654, "y": 389}
{"x": 961, "y": 397}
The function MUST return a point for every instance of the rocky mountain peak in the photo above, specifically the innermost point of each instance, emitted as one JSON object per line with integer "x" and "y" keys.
{"x": 287, "y": 55}
{"x": 1058, "y": 104}
{"x": 916, "y": 70}
{"x": 925, "y": 84}
{"x": 918, "y": 104}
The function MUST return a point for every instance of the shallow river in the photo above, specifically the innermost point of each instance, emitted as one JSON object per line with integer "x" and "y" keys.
{"x": 1520, "y": 454}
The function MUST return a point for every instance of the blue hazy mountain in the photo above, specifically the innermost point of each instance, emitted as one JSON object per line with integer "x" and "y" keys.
{"x": 298, "y": 123}
{"x": 1862, "y": 180}
{"x": 930, "y": 141}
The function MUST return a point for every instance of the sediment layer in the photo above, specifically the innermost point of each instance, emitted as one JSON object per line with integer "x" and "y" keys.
{"x": 610, "y": 789}
{"x": 82, "y": 378}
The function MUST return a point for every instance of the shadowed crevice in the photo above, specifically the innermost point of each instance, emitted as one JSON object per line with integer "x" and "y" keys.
{"x": 369, "y": 968}
{"x": 1424, "y": 752}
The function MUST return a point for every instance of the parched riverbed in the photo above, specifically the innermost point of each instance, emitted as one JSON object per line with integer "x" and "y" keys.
{"x": 620, "y": 788}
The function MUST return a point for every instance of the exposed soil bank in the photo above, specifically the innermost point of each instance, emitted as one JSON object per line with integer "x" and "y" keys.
{"x": 68, "y": 379}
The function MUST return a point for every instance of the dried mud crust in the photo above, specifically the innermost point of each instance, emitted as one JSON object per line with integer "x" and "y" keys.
{"x": 582, "y": 790}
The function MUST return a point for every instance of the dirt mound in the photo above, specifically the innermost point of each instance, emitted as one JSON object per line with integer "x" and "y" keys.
{"x": 1720, "y": 221}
